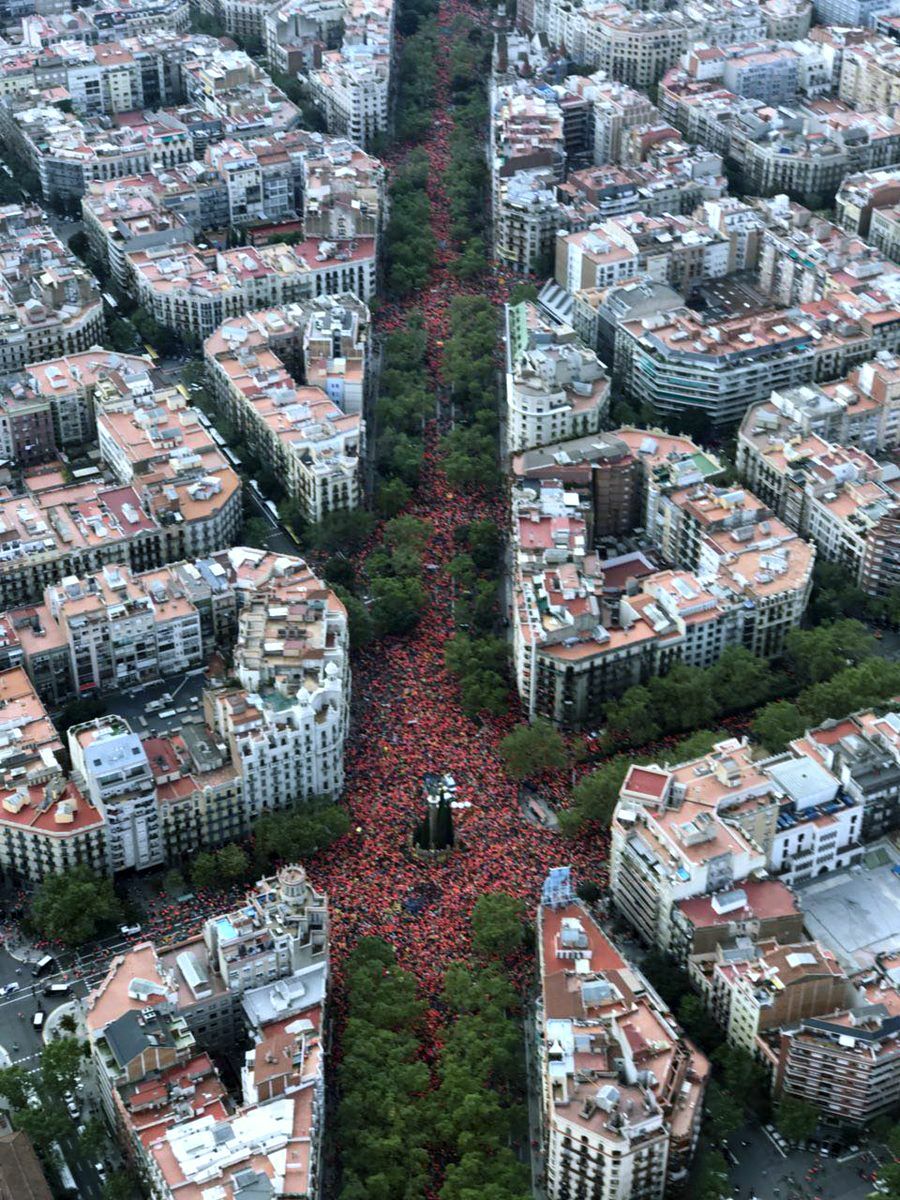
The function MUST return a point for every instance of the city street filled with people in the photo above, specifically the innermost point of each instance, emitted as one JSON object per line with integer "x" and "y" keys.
{"x": 407, "y": 717}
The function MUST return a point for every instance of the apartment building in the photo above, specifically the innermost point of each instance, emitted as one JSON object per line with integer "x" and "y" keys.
{"x": 68, "y": 530}
{"x": 108, "y": 20}
{"x": 787, "y": 20}
{"x": 585, "y": 629}
{"x": 767, "y": 71}
{"x": 296, "y": 31}
{"x": 47, "y": 824}
{"x": 853, "y": 13}
{"x": 674, "y": 179}
{"x": 352, "y": 84}
{"x": 181, "y": 498}
{"x": 285, "y": 726}
{"x": 759, "y": 909}
{"x": 68, "y": 152}
{"x": 870, "y": 75}
{"x": 528, "y": 215}
{"x": 199, "y": 793}
{"x": 676, "y": 363}
{"x": 633, "y": 46}
{"x": 352, "y": 87}
{"x": 669, "y": 845}
{"x": 281, "y": 930}
{"x": 154, "y": 1018}
{"x": 331, "y": 187}
{"x": 600, "y": 469}
{"x": 121, "y": 630}
{"x": 69, "y": 383}
{"x": 133, "y": 803}
{"x": 860, "y": 410}
{"x": 735, "y": 546}
{"x": 837, "y": 496}
{"x": 799, "y": 263}
{"x": 677, "y": 250}
{"x": 528, "y": 159}
{"x": 863, "y": 752}
{"x": 315, "y": 444}
{"x": 846, "y": 1062}
{"x": 556, "y": 388}
{"x": 194, "y": 291}
{"x": 860, "y": 195}
{"x": 26, "y": 426}
{"x": 611, "y": 1063}
{"x": 233, "y": 87}
{"x": 819, "y": 824}
{"x": 100, "y": 78}
{"x": 614, "y": 109}
{"x": 788, "y": 816}
{"x": 743, "y": 577}
{"x": 49, "y": 303}
{"x": 808, "y": 156}
{"x": 110, "y": 765}
{"x": 804, "y": 151}
{"x": 567, "y": 650}
{"x": 884, "y": 231}
{"x": 169, "y": 453}
{"x": 759, "y": 988}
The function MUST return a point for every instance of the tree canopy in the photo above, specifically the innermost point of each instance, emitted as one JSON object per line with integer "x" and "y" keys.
{"x": 497, "y": 925}
{"x": 530, "y": 749}
{"x": 75, "y": 906}
{"x": 796, "y": 1119}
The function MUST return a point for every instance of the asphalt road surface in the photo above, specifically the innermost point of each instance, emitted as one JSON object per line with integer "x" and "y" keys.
{"x": 17, "y": 1012}
{"x": 763, "y": 1173}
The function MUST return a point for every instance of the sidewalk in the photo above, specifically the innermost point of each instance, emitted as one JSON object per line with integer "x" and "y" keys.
{"x": 74, "y": 1008}
{"x": 535, "y": 1130}
{"x": 20, "y": 948}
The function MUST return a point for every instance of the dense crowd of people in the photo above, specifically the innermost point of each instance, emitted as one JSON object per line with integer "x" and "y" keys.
{"x": 407, "y": 717}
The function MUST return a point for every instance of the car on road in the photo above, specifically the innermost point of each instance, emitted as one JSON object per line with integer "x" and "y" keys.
{"x": 10, "y": 987}
{"x": 38, "y": 1020}
{"x": 101, "y": 1171}
{"x": 129, "y": 930}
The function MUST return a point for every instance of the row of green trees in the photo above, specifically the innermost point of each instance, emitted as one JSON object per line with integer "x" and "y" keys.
{"x": 478, "y": 658}
{"x": 689, "y": 698}
{"x": 869, "y": 684}
{"x": 831, "y": 667}
{"x": 466, "y": 178}
{"x": 77, "y": 905}
{"x": 409, "y": 242}
{"x": 284, "y": 836}
{"x": 35, "y": 1102}
{"x": 394, "y": 1118}
{"x": 478, "y": 1110}
{"x": 405, "y": 402}
{"x": 415, "y": 83}
{"x": 394, "y": 573}
{"x": 835, "y": 595}
{"x": 381, "y": 1133}
{"x": 470, "y": 453}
